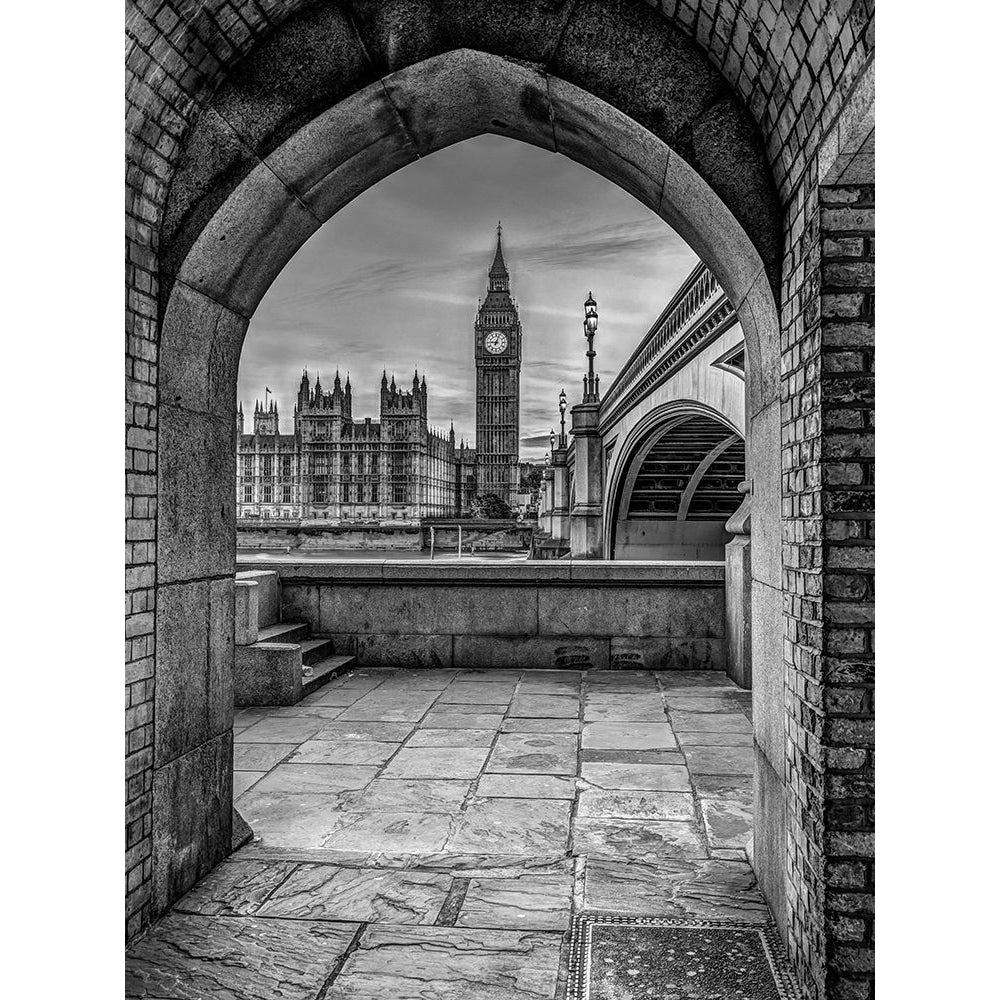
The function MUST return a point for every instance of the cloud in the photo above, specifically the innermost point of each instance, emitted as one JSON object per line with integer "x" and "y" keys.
{"x": 393, "y": 280}
{"x": 537, "y": 441}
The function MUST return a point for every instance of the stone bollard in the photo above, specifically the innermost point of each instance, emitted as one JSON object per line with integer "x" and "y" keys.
{"x": 246, "y": 612}
{"x": 739, "y": 662}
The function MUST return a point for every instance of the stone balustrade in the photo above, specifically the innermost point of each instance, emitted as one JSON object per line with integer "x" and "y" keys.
{"x": 547, "y": 614}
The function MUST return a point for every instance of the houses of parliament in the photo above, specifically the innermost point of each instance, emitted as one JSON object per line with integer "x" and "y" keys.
{"x": 334, "y": 467}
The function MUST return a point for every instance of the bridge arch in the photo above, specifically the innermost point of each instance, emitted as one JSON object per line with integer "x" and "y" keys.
{"x": 711, "y": 437}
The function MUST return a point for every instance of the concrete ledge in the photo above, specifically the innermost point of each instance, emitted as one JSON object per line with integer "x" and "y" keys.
{"x": 495, "y": 573}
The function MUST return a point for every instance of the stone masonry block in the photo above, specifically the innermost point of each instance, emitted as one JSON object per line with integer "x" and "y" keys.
{"x": 390, "y": 609}
{"x": 182, "y": 669}
{"x": 192, "y": 818}
{"x": 626, "y": 611}
{"x": 269, "y": 596}
{"x": 246, "y": 612}
{"x": 268, "y": 673}
{"x": 197, "y": 503}
{"x": 584, "y": 652}
{"x": 667, "y": 653}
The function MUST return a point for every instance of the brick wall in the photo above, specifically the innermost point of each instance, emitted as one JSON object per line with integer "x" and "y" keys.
{"x": 847, "y": 311}
{"x": 828, "y": 554}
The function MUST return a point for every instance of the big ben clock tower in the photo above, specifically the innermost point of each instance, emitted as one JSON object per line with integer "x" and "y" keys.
{"x": 498, "y": 385}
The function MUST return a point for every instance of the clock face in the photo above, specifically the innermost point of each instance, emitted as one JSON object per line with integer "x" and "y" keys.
{"x": 496, "y": 342}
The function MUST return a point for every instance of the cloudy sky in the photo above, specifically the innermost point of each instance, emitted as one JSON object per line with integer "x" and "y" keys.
{"x": 393, "y": 280}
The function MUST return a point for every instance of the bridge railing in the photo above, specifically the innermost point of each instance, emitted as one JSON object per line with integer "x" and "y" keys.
{"x": 697, "y": 314}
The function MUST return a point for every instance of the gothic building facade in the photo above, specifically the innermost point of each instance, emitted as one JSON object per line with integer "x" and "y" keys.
{"x": 333, "y": 467}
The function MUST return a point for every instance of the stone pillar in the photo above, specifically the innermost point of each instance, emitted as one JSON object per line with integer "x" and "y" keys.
{"x": 587, "y": 516}
{"x": 739, "y": 594}
{"x": 560, "y": 495}
{"x": 545, "y": 503}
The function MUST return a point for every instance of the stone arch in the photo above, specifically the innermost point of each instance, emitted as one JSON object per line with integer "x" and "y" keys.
{"x": 234, "y": 218}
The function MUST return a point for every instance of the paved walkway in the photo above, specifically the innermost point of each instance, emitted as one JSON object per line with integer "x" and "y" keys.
{"x": 432, "y": 833}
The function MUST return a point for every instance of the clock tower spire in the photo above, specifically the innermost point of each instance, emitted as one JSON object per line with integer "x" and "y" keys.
{"x": 498, "y": 383}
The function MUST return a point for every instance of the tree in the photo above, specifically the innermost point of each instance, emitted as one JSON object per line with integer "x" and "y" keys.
{"x": 531, "y": 478}
{"x": 490, "y": 507}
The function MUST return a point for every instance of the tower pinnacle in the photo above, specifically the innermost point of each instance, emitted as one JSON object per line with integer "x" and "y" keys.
{"x": 499, "y": 267}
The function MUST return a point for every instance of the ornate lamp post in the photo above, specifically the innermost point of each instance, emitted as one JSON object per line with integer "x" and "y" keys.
{"x": 552, "y": 443}
{"x": 562, "y": 418}
{"x": 591, "y": 382}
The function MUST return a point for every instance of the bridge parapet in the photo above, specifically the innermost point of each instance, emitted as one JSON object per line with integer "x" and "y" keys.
{"x": 698, "y": 314}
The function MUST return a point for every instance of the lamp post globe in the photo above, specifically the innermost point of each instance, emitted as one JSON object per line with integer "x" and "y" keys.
{"x": 590, "y": 316}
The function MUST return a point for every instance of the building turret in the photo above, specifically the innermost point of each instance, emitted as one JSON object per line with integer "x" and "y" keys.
{"x": 265, "y": 418}
{"x": 240, "y": 422}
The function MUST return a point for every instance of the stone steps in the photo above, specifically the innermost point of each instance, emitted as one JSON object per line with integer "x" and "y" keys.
{"x": 314, "y": 650}
{"x": 284, "y": 632}
{"x": 325, "y": 670}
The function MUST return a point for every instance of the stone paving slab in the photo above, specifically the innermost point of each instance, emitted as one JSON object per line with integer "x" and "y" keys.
{"x": 478, "y": 693}
{"x": 617, "y": 707}
{"x": 714, "y": 739}
{"x": 437, "y": 762}
{"x": 397, "y": 706}
{"x": 720, "y": 760}
{"x": 531, "y": 901}
{"x": 527, "y": 786}
{"x": 639, "y": 839}
{"x": 452, "y": 738}
{"x": 332, "y": 698}
{"x": 297, "y": 820}
{"x": 694, "y": 679}
{"x": 540, "y": 726}
{"x": 327, "y": 712}
{"x": 409, "y": 795}
{"x": 628, "y": 736}
{"x": 717, "y": 784}
{"x": 655, "y": 777}
{"x": 674, "y": 757}
{"x": 189, "y": 957}
{"x": 245, "y": 780}
{"x": 296, "y": 778}
{"x": 728, "y": 822}
{"x": 236, "y": 888}
{"x": 260, "y": 756}
{"x": 455, "y": 720}
{"x": 693, "y": 704}
{"x": 332, "y": 892}
{"x": 471, "y": 707}
{"x": 711, "y": 722}
{"x": 449, "y": 963}
{"x": 534, "y": 753}
{"x": 419, "y": 832}
{"x": 369, "y": 732}
{"x": 704, "y": 889}
{"x": 278, "y": 730}
{"x": 545, "y": 706}
{"x": 512, "y": 826}
{"x": 603, "y": 804}
{"x": 343, "y": 752}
